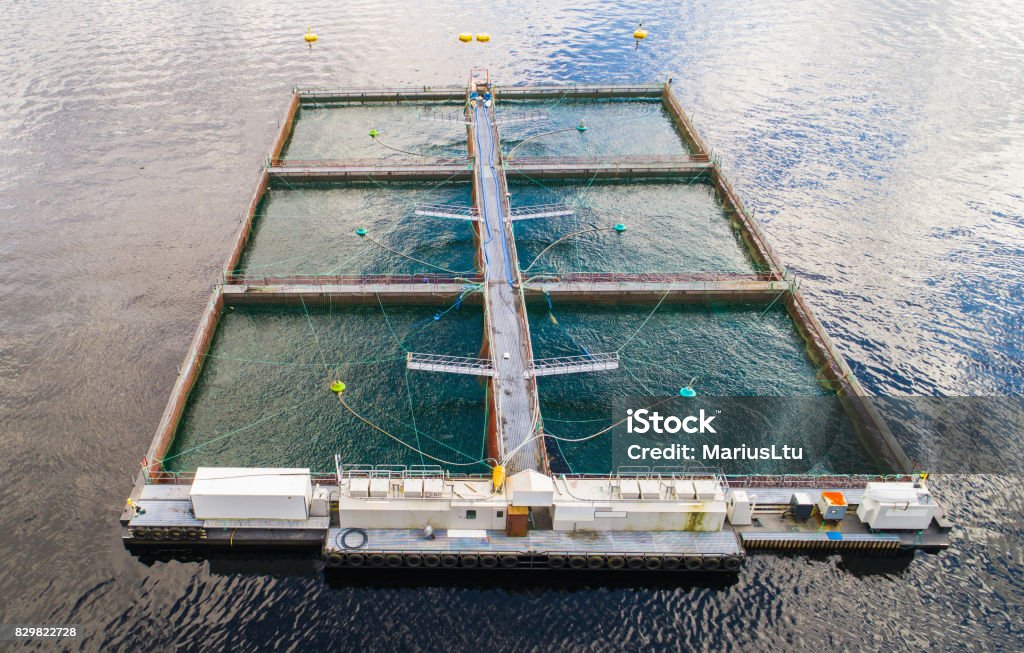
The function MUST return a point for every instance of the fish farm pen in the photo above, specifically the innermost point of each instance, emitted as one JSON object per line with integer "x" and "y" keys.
{"x": 435, "y": 303}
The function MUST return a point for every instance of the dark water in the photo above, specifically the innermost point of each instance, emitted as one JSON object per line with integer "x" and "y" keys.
{"x": 879, "y": 145}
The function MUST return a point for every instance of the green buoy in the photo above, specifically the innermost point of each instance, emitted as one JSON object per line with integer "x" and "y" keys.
{"x": 687, "y": 392}
{"x": 338, "y": 387}
{"x": 620, "y": 227}
{"x": 373, "y": 133}
{"x": 581, "y": 127}
{"x": 360, "y": 232}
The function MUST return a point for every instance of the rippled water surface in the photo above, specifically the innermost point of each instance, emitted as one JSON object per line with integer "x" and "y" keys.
{"x": 877, "y": 143}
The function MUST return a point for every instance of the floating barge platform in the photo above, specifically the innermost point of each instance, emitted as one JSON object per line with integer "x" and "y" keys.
{"x": 522, "y": 515}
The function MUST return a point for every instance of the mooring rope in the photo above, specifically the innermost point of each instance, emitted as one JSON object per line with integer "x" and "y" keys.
{"x": 483, "y": 461}
{"x": 413, "y": 258}
{"x": 316, "y": 339}
{"x": 644, "y": 323}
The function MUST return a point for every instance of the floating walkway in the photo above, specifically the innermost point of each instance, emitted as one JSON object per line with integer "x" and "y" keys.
{"x": 517, "y": 408}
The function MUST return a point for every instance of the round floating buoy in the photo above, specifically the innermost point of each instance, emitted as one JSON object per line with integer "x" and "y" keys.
{"x": 465, "y": 37}
{"x": 374, "y": 133}
{"x": 360, "y": 232}
{"x": 483, "y": 37}
{"x": 309, "y": 37}
{"x": 338, "y": 386}
{"x": 581, "y": 127}
{"x": 640, "y": 33}
{"x": 687, "y": 391}
{"x": 620, "y": 227}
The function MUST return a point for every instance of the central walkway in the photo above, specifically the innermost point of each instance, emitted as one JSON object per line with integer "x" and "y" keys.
{"x": 515, "y": 395}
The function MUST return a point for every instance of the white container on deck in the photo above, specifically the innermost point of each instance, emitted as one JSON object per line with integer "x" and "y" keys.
{"x": 251, "y": 493}
{"x": 897, "y": 506}
{"x": 740, "y": 511}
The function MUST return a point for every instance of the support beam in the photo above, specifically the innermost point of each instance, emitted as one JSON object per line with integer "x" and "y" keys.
{"x": 612, "y": 167}
{"x": 552, "y": 92}
{"x": 297, "y": 172}
{"x": 397, "y": 94}
{"x": 450, "y": 364}
{"x": 342, "y": 292}
{"x": 649, "y": 289}
{"x": 572, "y": 364}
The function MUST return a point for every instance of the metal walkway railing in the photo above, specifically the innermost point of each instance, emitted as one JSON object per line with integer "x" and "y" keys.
{"x": 449, "y": 211}
{"x": 572, "y": 364}
{"x": 508, "y": 117}
{"x": 541, "y": 211}
{"x": 450, "y": 364}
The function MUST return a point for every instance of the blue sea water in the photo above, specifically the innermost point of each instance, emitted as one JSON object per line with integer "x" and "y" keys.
{"x": 878, "y": 145}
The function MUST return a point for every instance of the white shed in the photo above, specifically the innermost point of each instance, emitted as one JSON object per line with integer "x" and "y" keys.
{"x": 530, "y": 488}
{"x": 251, "y": 493}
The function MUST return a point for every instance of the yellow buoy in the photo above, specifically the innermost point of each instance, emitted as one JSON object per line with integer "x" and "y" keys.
{"x": 640, "y": 33}
{"x": 498, "y": 477}
{"x": 310, "y": 37}
{"x": 483, "y": 37}
{"x": 465, "y": 37}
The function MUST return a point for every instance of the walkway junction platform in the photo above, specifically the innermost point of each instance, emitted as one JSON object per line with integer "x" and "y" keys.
{"x": 522, "y": 515}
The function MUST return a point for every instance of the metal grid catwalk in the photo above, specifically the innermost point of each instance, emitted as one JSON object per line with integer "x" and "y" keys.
{"x": 509, "y": 342}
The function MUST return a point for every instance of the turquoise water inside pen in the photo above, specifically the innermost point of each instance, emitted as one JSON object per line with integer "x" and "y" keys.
{"x": 263, "y": 397}
{"x": 612, "y": 128}
{"x": 671, "y": 226}
{"x": 311, "y": 231}
{"x": 407, "y": 129}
